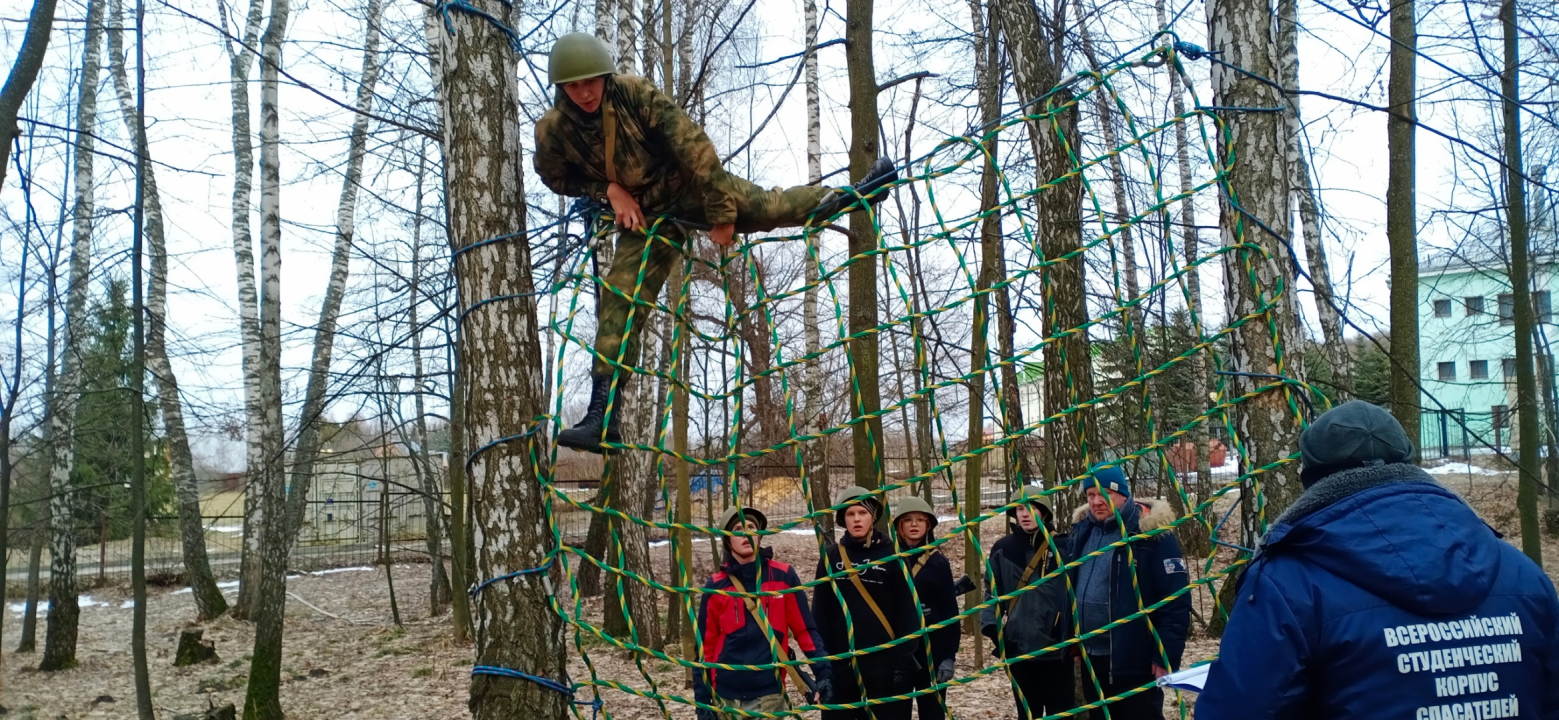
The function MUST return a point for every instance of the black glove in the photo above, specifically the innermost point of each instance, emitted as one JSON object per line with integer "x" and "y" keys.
{"x": 964, "y": 585}
{"x": 824, "y": 688}
{"x": 944, "y": 671}
{"x": 707, "y": 714}
{"x": 989, "y": 631}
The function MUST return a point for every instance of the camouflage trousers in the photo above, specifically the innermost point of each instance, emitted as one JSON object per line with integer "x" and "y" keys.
{"x": 757, "y": 210}
{"x": 768, "y": 703}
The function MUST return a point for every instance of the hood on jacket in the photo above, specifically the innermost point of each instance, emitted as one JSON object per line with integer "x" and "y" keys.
{"x": 1392, "y": 530}
{"x": 1152, "y": 513}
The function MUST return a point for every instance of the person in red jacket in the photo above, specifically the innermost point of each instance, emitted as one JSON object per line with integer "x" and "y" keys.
{"x": 738, "y": 631}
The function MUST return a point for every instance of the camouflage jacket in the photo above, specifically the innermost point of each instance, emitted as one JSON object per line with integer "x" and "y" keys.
{"x": 664, "y": 159}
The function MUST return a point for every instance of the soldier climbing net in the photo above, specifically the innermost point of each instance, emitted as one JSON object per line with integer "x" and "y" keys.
{"x": 1126, "y": 421}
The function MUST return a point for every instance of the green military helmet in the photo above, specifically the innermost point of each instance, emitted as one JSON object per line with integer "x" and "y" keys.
{"x": 578, "y": 56}
{"x": 914, "y": 504}
{"x": 729, "y": 516}
{"x": 1033, "y": 495}
{"x": 857, "y": 495}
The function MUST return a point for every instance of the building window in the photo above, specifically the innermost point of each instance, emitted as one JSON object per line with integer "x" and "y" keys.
{"x": 1474, "y": 305}
{"x": 1478, "y": 369}
{"x": 1447, "y": 371}
{"x": 1507, "y": 309}
{"x": 1540, "y": 305}
{"x": 1501, "y": 415}
{"x": 1442, "y": 308}
{"x": 1508, "y": 369}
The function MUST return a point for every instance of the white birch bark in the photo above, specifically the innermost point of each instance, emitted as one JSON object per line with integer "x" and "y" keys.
{"x": 263, "y": 699}
{"x": 626, "y": 21}
{"x": 606, "y": 20}
{"x": 500, "y": 356}
{"x": 59, "y": 644}
{"x": 1242, "y": 30}
{"x": 307, "y": 450}
{"x": 209, "y": 602}
{"x": 1303, "y": 192}
{"x": 814, "y": 453}
{"x": 240, "y": 60}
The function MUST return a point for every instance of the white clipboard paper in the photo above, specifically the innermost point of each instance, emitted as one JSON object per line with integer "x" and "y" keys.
{"x": 1189, "y": 680}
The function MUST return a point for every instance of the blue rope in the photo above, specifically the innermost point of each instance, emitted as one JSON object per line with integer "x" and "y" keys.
{"x": 469, "y": 9}
{"x": 548, "y": 683}
{"x": 510, "y": 576}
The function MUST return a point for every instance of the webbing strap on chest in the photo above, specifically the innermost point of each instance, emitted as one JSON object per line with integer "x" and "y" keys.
{"x": 768, "y": 632}
{"x": 1028, "y": 571}
{"x": 609, "y": 126}
{"x": 860, "y": 587}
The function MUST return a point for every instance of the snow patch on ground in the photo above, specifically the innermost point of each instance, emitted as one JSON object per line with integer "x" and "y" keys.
{"x": 1459, "y": 468}
{"x": 664, "y": 543}
{"x": 223, "y": 585}
{"x": 226, "y": 528}
{"x": 333, "y": 571}
{"x": 85, "y": 601}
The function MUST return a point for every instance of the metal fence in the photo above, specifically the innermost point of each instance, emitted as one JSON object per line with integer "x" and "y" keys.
{"x": 1461, "y": 435}
{"x": 335, "y": 533}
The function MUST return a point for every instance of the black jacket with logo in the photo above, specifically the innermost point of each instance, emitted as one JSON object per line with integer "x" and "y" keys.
{"x": 889, "y": 587}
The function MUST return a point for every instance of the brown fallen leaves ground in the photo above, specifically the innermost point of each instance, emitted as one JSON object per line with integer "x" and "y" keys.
{"x": 346, "y": 659}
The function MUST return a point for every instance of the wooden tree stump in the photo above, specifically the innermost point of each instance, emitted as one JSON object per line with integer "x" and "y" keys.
{"x": 192, "y": 649}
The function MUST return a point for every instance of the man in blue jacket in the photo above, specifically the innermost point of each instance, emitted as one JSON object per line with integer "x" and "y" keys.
{"x": 1380, "y": 594}
{"x": 1115, "y": 582}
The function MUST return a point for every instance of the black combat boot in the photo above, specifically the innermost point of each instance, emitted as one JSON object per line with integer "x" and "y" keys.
{"x": 587, "y": 435}
{"x": 881, "y": 173}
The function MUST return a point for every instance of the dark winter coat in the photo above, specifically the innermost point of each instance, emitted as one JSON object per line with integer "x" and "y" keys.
{"x": 933, "y": 577}
{"x": 1380, "y": 594}
{"x": 889, "y": 587}
{"x": 733, "y": 636}
{"x": 1160, "y": 572}
{"x": 1038, "y": 618}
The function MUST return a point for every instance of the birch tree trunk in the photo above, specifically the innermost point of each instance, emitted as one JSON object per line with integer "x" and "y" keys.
{"x": 240, "y": 60}
{"x": 500, "y": 354}
{"x": 626, "y": 64}
{"x": 1303, "y": 191}
{"x": 1191, "y": 250}
{"x": 1068, "y": 361}
{"x": 24, "y": 72}
{"x": 268, "y": 483}
{"x": 209, "y": 602}
{"x": 59, "y": 642}
{"x": 605, "y": 15}
{"x": 306, "y": 453}
{"x": 815, "y": 453}
{"x": 1243, "y": 31}
{"x": 865, "y": 396}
